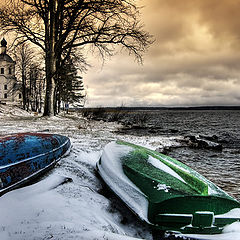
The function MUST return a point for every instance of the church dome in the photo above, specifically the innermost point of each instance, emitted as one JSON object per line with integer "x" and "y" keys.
{"x": 3, "y": 43}
{"x": 3, "y": 55}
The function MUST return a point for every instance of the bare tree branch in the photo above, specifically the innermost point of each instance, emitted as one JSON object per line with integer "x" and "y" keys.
{"x": 60, "y": 28}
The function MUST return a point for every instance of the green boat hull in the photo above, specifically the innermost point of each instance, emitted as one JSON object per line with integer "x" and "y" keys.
{"x": 165, "y": 193}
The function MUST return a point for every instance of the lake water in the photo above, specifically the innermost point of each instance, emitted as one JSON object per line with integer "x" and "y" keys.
{"x": 221, "y": 167}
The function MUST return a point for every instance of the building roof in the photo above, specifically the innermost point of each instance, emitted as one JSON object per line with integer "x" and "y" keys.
{"x": 6, "y": 57}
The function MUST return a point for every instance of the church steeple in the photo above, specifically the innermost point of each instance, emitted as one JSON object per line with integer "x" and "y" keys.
{"x": 3, "y": 47}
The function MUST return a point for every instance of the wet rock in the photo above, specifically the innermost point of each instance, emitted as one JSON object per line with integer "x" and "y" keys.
{"x": 189, "y": 139}
{"x": 202, "y": 143}
{"x": 163, "y": 150}
{"x": 209, "y": 138}
{"x": 224, "y": 141}
{"x": 125, "y": 122}
{"x": 126, "y": 128}
{"x": 173, "y": 130}
{"x": 234, "y": 152}
{"x": 167, "y": 149}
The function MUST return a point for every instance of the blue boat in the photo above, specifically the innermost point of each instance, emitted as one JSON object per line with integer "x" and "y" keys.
{"x": 24, "y": 156}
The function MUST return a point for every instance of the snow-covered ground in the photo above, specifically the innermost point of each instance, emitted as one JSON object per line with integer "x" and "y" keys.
{"x": 77, "y": 209}
{"x": 74, "y": 210}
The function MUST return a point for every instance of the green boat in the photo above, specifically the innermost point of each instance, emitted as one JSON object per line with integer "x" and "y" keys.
{"x": 164, "y": 192}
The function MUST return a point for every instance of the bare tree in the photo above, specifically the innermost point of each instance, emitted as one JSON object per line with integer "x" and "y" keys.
{"x": 36, "y": 84}
{"x": 58, "y": 27}
{"x": 30, "y": 77}
{"x": 23, "y": 55}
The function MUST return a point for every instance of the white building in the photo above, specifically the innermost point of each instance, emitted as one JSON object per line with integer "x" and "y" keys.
{"x": 8, "y": 81}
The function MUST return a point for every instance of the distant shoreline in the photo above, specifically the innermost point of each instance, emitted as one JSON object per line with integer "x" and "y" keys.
{"x": 167, "y": 108}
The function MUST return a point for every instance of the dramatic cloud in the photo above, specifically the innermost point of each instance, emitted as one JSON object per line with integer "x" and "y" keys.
{"x": 194, "y": 60}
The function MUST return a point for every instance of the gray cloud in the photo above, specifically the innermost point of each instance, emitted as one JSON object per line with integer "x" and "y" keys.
{"x": 194, "y": 60}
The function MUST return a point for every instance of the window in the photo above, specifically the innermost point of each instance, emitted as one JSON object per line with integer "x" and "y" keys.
{"x": 2, "y": 70}
{"x": 5, "y": 87}
{"x": 5, "y": 95}
{"x": 19, "y": 95}
{"x": 10, "y": 71}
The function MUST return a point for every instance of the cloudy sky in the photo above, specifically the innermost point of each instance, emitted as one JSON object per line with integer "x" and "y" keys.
{"x": 195, "y": 59}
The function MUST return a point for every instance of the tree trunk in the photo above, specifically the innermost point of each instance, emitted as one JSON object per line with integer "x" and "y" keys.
{"x": 50, "y": 60}
{"x": 50, "y": 85}
{"x": 24, "y": 97}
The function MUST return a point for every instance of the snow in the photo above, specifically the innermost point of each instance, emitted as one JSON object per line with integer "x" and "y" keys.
{"x": 175, "y": 165}
{"x": 230, "y": 232}
{"x": 113, "y": 175}
{"x": 38, "y": 208}
{"x": 163, "y": 187}
{"x": 234, "y": 213}
{"x": 158, "y": 164}
{"x": 74, "y": 210}
{"x": 77, "y": 209}
{"x": 12, "y": 111}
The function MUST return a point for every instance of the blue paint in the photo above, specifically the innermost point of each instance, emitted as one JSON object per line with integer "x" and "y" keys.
{"x": 24, "y": 155}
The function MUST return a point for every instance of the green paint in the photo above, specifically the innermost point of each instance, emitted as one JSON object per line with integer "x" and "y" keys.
{"x": 137, "y": 159}
{"x": 167, "y": 194}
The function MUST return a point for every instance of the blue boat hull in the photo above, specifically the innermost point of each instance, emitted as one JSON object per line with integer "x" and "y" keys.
{"x": 24, "y": 156}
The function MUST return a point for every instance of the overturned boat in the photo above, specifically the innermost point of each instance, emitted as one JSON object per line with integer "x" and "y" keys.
{"x": 165, "y": 193}
{"x": 24, "y": 156}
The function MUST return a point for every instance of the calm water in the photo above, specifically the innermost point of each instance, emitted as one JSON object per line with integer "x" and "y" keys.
{"x": 222, "y": 168}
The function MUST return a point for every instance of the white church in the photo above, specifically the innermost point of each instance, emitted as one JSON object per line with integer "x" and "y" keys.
{"x": 8, "y": 81}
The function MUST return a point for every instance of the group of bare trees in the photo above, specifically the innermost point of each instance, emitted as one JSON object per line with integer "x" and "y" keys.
{"x": 30, "y": 75}
{"x": 31, "y": 80}
{"x": 61, "y": 27}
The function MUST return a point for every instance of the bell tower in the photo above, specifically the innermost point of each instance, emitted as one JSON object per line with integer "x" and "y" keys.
{"x": 3, "y": 48}
{"x": 9, "y": 91}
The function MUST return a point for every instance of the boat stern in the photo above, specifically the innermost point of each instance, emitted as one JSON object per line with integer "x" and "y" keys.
{"x": 194, "y": 214}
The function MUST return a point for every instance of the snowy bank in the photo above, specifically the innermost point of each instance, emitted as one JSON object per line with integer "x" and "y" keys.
{"x": 77, "y": 209}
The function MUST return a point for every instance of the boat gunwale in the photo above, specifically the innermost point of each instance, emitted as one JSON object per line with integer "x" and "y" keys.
{"x": 37, "y": 173}
{"x": 31, "y": 158}
{"x": 119, "y": 196}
